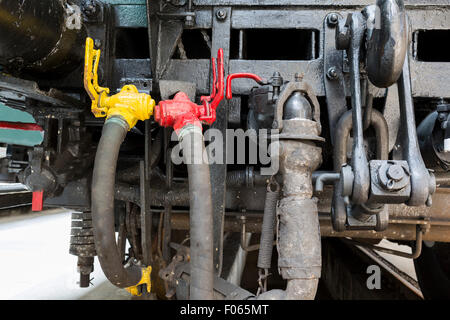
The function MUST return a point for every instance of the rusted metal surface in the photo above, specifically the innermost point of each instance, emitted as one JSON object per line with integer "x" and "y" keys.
{"x": 324, "y": 75}
{"x": 420, "y": 229}
{"x": 393, "y": 232}
{"x": 179, "y": 196}
{"x": 399, "y": 229}
{"x": 439, "y": 209}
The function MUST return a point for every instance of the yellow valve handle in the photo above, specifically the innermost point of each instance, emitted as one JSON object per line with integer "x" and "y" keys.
{"x": 146, "y": 272}
{"x": 128, "y": 103}
{"x": 91, "y": 61}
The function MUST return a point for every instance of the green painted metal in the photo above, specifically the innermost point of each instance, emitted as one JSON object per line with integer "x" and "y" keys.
{"x": 18, "y": 137}
{"x": 129, "y": 13}
{"x": 131, "y": 16}
{"x": 14, "y": 115}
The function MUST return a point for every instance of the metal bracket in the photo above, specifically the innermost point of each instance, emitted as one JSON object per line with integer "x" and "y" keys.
{"x": 333, "y": 70}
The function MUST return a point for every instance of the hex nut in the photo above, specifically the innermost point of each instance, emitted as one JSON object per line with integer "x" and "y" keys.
{"x": 221, "y": 14}
{"x": 332, "y": 20}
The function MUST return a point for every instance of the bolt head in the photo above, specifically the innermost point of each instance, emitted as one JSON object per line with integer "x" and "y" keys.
{"x": 442, "y": 116}
{"x": 332, "y": 73}
{"x": 221, "y": 14}
{"x": 90, "y": 9}
{"x": 333, "y": 19}
{"x": 395, "y": 172}
{"x": 189, "y": 21}
{"x": 275, "y": 124}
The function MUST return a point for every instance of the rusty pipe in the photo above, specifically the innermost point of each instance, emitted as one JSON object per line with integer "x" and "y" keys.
{"x": 399, "y": 228}
{"x": 413, "y": 255}
{"x": 298, "y": 240}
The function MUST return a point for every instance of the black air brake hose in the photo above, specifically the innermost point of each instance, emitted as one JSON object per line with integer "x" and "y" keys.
{"x": 103, "y": 181}
{"x": 201, "y": 216}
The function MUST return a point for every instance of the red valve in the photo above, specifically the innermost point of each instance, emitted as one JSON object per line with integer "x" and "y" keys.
{"x": 180, "y": 111}
{"x": 37, "y": 200}
{"x": 232, "y": 76}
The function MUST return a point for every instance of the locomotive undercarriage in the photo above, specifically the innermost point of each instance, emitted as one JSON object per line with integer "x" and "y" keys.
{"x": 351, "y": 95}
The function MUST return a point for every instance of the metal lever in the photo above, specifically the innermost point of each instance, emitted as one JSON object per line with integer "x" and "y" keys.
{"x": 91, "y": 62}
{"x": 360, "y": 186}
{"x": 212, "y": 101}
{"x": 359, "y": 163}
{"x": 128, "y": 103}
{"x": 232, "y": 76}
{"x": 423, "y": 183}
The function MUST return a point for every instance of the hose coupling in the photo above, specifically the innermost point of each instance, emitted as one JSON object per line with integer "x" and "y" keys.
{"x": 180, "y": 111}
{"x": 128, "y": 103}
{"x": 145, "y": 279}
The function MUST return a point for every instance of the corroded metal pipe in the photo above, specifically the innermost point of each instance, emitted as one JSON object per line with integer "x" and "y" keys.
{"x": 299, "y": 247}
{"x": 399, "y": 228}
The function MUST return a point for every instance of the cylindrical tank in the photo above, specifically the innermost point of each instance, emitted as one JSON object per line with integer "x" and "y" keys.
{"x": 40, "y": 36}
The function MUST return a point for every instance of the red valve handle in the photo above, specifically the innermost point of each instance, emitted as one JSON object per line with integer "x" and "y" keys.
{"x": 232, "y": 76}
{"x": 218, "y": 84}
{"x": 180, "y": 111}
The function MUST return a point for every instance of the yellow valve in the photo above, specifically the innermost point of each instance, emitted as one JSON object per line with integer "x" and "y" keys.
{"x": 128, "y": 103}
{"x": 146, "y": 272}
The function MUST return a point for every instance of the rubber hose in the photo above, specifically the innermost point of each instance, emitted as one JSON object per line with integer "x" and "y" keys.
{"x": 103, "y": 182}
{"x": 201, "y": 217}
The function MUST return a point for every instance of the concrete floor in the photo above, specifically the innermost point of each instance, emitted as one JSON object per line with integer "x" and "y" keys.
{"x": 404, "y": 264}
{"x": 35, "y": 262}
